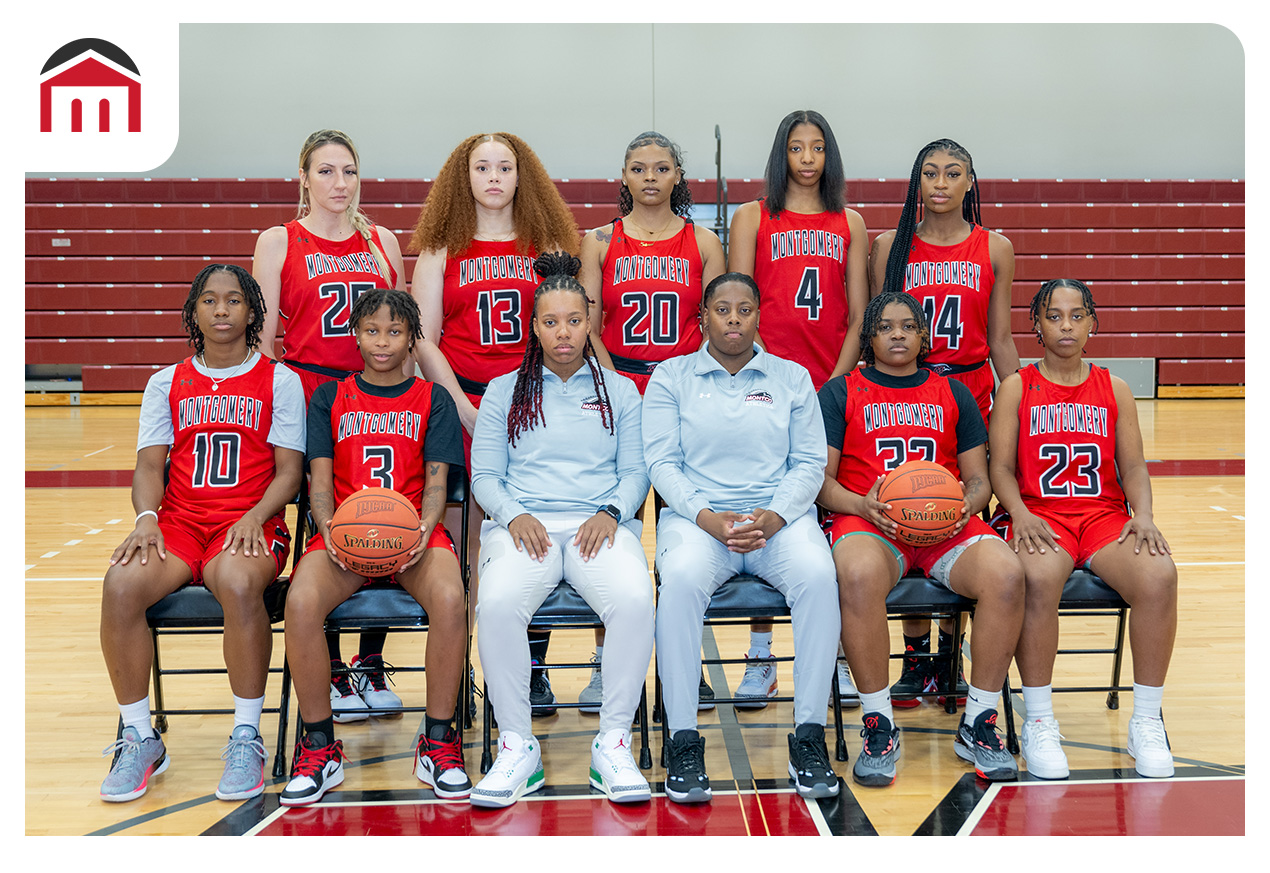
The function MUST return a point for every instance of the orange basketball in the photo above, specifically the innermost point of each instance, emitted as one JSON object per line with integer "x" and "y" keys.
{"x": 374, "y": 530}
{"x": 925, "y": 502}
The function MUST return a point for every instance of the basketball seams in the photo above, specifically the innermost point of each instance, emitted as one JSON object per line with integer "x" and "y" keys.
{"x": 395, "y": 519}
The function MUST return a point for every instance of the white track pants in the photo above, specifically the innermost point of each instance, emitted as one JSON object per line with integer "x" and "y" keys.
{"x": 614, "y": 584}
{"x": 691, "y": 564}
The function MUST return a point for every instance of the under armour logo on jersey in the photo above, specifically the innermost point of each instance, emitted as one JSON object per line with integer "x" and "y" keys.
{"x": 703, "y": 396}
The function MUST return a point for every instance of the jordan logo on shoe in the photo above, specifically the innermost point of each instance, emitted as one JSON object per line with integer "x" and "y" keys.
{"x": 621, "y": 743}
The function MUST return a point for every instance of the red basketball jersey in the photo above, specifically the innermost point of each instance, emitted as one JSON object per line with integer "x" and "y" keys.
{"x": 221, "y": 461}
{"x": 320, "y": 281}
{"x": 954, "y": 284}
{"x": 378, "y": 441}
{"x": 800, "y": 265}
{"x": 651, "y": 294}
{"x": 1067, "y": 442}
{"x": 487, "y": 304}
{"x": 887, "y": 426}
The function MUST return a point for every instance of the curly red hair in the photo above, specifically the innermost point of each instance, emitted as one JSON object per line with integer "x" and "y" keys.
{"x": 447, "y": 219}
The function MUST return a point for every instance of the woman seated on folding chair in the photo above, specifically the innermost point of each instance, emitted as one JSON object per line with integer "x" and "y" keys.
{"x": 232, "y": 425}
{"x": 347, "y": 453}
{"x": 557, "y": 463}
{"x": 735, "y": 446}
{"x": 1062, "y": 430}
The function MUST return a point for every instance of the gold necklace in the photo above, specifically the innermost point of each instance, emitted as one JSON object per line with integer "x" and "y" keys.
{"x": 216, "y": 382}
{"x": 651, "y": 233}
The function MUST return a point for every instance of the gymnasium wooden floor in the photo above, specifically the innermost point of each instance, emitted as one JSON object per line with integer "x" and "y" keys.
{"x": 79, "y": 461}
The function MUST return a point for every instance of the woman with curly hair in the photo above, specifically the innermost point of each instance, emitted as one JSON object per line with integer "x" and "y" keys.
{"x": 644, "y": 272}
{"x": 490, "y": 212}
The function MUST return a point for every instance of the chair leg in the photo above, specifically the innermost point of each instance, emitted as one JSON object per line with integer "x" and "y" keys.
{"x": 645, "y": 752}
{"x": 1007, "y": 705}
{"x": 1113, "y": 696}
{"x": 840, "y": 740}
{"x": 161, "y": 720}
{"x": 954, "y": 667}
{"x": 284, "y": 718}
{"x": 487, "y": 759}
{"x": 665, "y": 724}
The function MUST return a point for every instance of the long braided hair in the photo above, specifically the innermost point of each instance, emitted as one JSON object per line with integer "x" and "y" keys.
{"x": 680, "y": 195}
{"x": 897, "y": 262}
{"x": 557, "y": 270}
{"x": 251, "y": 291}
{"x": 1041, "y": 302}
{"x": 833, "y": 192}
{"x": 873, "y": 316}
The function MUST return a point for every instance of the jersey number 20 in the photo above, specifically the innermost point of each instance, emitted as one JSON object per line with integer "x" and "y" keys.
{"x": 655, "y": 319}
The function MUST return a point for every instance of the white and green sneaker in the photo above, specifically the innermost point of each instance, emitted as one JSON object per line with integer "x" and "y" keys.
{"x": 613, "y": 769}
{"x": 517, "y": 771}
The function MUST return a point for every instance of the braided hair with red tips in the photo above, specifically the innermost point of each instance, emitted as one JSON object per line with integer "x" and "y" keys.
{"x": 558, "y": 271}
{"x": 897, "y": 261}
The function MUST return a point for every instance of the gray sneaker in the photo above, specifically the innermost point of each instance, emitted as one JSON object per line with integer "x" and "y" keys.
{"x": 136, "y": 760}
{"x": 979, "y": 744}
{"x": 875, "y": 765}
{"x": 244, "y": 758}
{"x": 593, "y": 694}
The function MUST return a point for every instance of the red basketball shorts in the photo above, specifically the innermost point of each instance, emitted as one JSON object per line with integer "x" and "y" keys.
{"x": 936, "y": 561}
{"x": 197, "y": 546}
{"x": 1079, "y": 534}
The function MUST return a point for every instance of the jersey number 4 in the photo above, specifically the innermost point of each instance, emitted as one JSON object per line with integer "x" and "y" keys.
{"x": 655, "y": 320}
{"x": 945, "y": 324}
{"x": 342, "y": 297}
{"x": 808, "y": 295}
{"x": 1077, "y": 467}
{"x": 499, "y": 327}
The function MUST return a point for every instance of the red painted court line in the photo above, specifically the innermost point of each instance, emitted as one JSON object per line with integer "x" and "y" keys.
{"x": 1197, "y": 467}
{"x": 78, "y": 478}
{"x": 1175, "y": 807}
{"x": 784, "y": 813}
{"x": 123, "y": 478}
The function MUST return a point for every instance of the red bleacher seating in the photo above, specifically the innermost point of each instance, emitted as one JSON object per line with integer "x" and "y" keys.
{"x": 109, "y": 261}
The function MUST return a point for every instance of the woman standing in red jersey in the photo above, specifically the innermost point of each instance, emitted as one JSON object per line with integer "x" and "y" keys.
{"x": 807, "y": 253}
{"x": 492, "y": 209}
{"x": 311, "y": 271}
{"x": 962, "y": 273}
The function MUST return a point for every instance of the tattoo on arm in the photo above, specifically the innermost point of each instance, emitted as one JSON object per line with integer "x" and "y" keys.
{"x": 322, "y": 507}
{"x": 602, "y": 235}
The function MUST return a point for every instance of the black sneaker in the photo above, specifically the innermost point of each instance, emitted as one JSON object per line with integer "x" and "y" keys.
{"x": 875, "y": 765}
{"x": 809, "y": 762}
{"x": 705, "y": 695}
{"x": 917, "y": 677}
{"x": 686, "y": 779}
{"x": 980, "y": 744}
{"x": 540, "y": 694}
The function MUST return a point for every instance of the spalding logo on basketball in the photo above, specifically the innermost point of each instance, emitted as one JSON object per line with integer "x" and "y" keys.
{"x": 925, "y": 501}
{"x": 374, "y": 530}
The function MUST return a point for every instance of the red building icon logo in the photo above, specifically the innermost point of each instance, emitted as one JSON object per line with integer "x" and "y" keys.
{"x": 87, "y": 86}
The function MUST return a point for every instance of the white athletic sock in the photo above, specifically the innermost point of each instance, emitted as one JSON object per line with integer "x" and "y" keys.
{"x": 247, "y": 711}
{"x": 137, "y": 716}
{"x": 1038, "y": 700}
{"x": 1148, "y": 700}
{"x": 760, "y": 645}
{"x": 880, "y": 702}
{"x": 978, "y": 701}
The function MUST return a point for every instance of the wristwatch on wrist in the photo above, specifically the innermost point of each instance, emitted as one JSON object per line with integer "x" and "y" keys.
{"x": 611, "y": 510}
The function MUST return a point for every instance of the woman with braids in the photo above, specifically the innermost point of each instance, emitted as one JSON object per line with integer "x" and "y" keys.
{"x": 1066, "y": 464}
{"x": 311, "y": 270}
{"x": 490, "y": 212}
{"x": 807, "y": 252}
{"x": 961, "y": 273}
{"x": 231, "y": 425}
{"x": 558, "y": 464}
{"x": 645, "y": 272}
{"x": 876, "y": 418}
{"x": 348, "y": 451}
